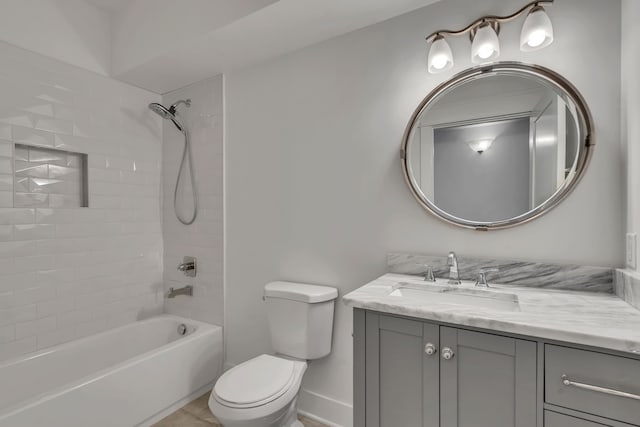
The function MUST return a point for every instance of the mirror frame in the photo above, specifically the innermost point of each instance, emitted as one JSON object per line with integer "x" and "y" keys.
{"x": 586, "y": 145}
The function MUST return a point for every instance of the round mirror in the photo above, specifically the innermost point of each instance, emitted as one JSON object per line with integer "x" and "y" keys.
{"x": 497, "y": 145}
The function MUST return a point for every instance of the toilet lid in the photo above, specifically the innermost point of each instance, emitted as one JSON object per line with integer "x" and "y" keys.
{"x": 256, "y": 381}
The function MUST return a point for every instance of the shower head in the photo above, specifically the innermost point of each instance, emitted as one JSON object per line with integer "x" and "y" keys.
{"x": 161, "y": 110}
{"x": 169, "y": 113}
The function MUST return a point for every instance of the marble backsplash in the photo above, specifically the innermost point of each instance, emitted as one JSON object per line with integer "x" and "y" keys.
{"x": 627, "y": 287}
{"x": 521, "y": 273}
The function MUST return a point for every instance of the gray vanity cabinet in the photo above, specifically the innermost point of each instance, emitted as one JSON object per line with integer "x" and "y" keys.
{"x": 402, "y": 380}
{"x": 414, "y": 373}
{"x": 489, "y": 381}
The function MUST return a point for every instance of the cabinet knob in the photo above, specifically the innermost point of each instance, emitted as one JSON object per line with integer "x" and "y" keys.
{"x": 430, "y": 349}
{"x": 447, "y": 353}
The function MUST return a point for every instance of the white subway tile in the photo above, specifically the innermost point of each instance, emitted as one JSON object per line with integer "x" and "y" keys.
{"x": 34, "y": 327}
{"x": 23, "y": 135}
{"x": 54, "y": 125}
{"x": 33, "y": 231}
{"x": 6, "y": 199}
{"x": 34, "y": 295}
{"x": 17, "y": 348}
{"x": 40, "y": 108}
{"x": 59, "y": 336}
{"x": 5, "y": 131}
{"x": 55, "y": 306}
{"x": 7, "y": 334}
{"x": 67, "y": 271}
{"x": 31, "y": 200}
{"x": 17, "y": 314}
{"x": 6, "y": 149}
{"x": 73, "y": 318}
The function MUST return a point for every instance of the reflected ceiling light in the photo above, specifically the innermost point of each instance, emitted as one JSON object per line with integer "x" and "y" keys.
{"x": 440, "y": 56}
{"x": 480, "y": 146}
{"x": 537, "y": 33}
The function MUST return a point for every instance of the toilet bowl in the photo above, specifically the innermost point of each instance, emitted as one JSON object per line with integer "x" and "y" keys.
{"x": 261, "y": 392}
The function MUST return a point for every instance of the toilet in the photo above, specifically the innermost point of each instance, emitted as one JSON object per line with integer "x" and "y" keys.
{"x": 263, "y": 391}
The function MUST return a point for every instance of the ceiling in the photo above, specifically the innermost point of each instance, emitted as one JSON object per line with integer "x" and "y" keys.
{"x": 111, "y": 5}
{"x": 263, "y": 29}
{"x": 163, "y": 45}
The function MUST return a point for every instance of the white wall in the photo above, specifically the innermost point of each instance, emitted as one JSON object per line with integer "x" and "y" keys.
{"x": 314, "y": 188}
{"x": 66, "y": 273}
{"x": 72, "y": 31}
{"x": 631, "y": 112}
{"x": 204, "y": 238}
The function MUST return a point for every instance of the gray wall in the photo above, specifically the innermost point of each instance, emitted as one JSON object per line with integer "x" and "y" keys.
{"x": 314, "y": 187}
{"x": 490, "y": 186}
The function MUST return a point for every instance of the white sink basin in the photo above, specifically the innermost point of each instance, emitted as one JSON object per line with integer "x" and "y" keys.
{"x": 452, "y": 295}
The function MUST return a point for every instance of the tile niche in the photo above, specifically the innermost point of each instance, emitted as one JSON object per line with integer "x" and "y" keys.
{"x": 49, "y": 178}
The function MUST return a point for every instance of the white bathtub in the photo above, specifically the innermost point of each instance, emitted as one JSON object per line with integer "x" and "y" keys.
{"x": 123, "y": 377}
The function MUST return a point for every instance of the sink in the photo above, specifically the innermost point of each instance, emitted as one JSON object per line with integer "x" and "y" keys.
{"x": 434, "y": 293}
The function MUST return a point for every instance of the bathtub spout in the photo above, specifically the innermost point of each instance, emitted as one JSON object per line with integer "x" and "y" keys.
{"x": 187, "y": 290}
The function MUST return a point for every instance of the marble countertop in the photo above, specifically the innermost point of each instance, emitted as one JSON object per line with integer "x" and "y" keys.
{"x": 588, "y": 318}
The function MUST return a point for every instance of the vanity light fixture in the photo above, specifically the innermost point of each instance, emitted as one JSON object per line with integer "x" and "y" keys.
{"x": 480, "y": 146}
{"x": 537, "y": 33}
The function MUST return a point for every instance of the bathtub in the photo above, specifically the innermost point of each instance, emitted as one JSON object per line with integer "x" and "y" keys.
{"x": 123, "y": 377}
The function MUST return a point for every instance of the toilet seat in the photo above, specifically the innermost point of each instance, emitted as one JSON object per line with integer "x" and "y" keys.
{"x": 255, "y": 382}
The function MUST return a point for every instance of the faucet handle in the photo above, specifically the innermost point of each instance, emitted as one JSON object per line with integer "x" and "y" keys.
{"x": 481, "y": 281}
{"x": 428, "y": 275}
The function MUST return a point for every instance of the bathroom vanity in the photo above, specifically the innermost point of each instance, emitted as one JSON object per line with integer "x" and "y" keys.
{"x": 433, "y": 354}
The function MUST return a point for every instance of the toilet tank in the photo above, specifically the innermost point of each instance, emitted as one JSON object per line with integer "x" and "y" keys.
{"x": 300, "y": 318}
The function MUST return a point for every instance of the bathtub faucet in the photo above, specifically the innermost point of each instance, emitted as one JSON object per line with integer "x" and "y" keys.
{"x": 188, "y": 266}
{"x": 187, "y": 290}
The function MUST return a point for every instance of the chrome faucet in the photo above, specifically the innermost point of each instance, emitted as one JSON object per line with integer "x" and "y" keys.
{"x": 452, "y": 263}
{"x": 187, "y": 290}
{"x": 188, "y": 266}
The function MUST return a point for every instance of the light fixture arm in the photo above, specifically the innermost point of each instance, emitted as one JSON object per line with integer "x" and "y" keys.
{"x": 494, "y": 20}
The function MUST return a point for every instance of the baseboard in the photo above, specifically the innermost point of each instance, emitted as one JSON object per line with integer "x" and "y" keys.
{"x": 179, "y": 404}
{"x": 324, "y": 409}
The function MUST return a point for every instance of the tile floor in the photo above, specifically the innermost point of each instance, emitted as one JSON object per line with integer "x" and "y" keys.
{"x": 197, "y": 414}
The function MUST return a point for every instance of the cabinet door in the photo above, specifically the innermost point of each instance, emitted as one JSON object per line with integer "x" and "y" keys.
{"x": 401, "y": 378}
{"x": 490, "y": 381}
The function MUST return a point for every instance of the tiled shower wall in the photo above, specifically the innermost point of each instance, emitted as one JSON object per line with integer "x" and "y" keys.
{"x": 70, "y": 272}
{"x": 204, "y": 238}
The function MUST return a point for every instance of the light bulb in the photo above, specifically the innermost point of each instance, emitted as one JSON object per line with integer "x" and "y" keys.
{"x": 537, "y": 30}
{"x": 485, "y": 51}
{"x": 440, "y": 57}
{"x": 486, "y": 45}
{"x": 439, "y": 62}
{"x": 536, "y": 38}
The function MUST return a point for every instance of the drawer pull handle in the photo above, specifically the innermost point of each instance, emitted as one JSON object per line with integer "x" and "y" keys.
{"x": 566, "y": 381}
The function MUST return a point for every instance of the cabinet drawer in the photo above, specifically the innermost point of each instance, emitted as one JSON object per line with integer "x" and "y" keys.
{"x": 553, "y": 419}
{"x": 594, "y": 382}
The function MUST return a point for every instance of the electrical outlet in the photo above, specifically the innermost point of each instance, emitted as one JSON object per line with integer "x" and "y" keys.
{"x": 631, "y": 250}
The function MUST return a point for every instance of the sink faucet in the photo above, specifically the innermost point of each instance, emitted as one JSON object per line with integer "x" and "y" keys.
{"x": 452, "y": 262}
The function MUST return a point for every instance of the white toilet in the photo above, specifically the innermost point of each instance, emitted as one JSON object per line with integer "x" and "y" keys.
{"x": 263, "y": 391}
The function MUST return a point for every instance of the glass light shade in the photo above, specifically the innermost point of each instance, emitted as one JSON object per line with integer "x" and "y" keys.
{"x": 480, "y": 146}
{"x": 486, "y": 45}
{"x": 537, "y": 30}
{"x": 440, "y": 57}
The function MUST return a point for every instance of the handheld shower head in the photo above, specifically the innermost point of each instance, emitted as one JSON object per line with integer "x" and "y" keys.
{"x": 169, "y": 113}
